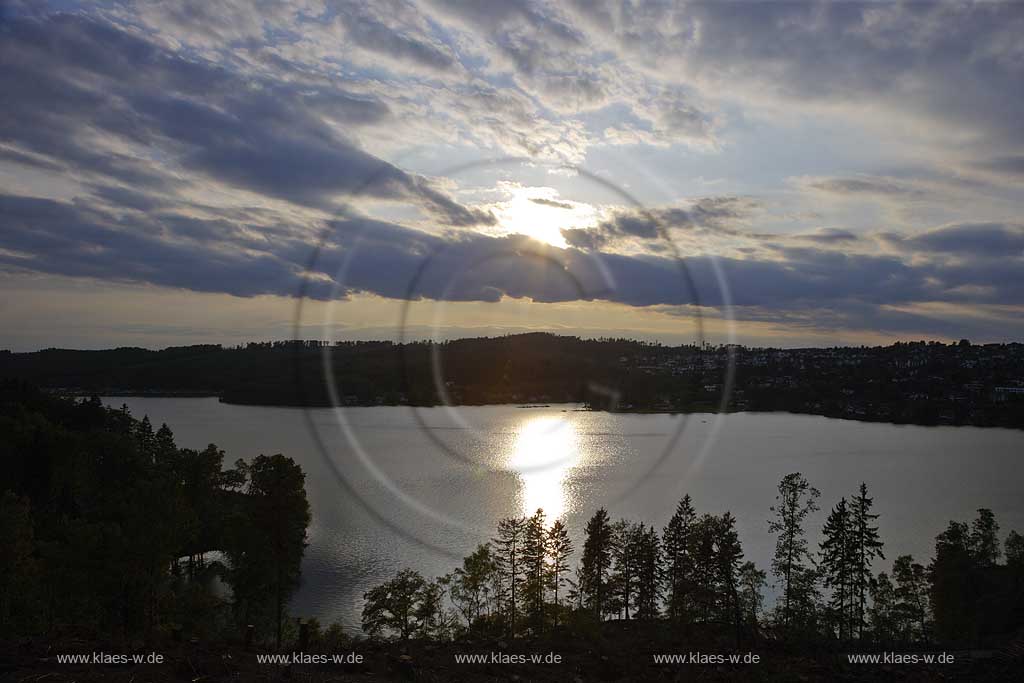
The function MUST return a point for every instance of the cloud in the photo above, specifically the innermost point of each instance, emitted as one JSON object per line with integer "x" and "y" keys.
{"x": 1012, "y": 166}
{"x": 117, "y": 107}
{"x": 989, "y": 240}
{"x": 716, "y": 214}
{"x": 867, "y": 185}
{"x": 827, "y": 236}
{"x": 141, "y": 117}
{"x": 586, "y": 239}
{"x": 409, "y": 46}
{"x": 242, "y": 258}
{"x": 955, "y": 64}
{"x": 551, "y": 202}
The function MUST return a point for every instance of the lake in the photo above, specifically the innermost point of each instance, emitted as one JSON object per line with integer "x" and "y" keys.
{"x": 395, "y": 487}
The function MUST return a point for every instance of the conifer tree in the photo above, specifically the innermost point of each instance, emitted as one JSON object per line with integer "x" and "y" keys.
{"x": 705, "y": 590}
{"x": 728, "y": 555}
{"x": 838, "y": 564}
{"x": 792, "y": 563}
{"x": 624, "y": 576}
{"x": 596, "y": 563}
{"x": 509, "y": 552}
{"x": 559, "y": 548}
{"x": 678, "y": 563}
{"x": 535, "y": 574}
{"x": 166, "y": 451}
{"x": 649, "y": 573}
{"x": 868, "y": 546}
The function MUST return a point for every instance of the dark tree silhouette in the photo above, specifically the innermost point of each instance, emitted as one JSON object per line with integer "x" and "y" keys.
{"x": 882, "y": 614}
{"x": 535, "y": 566}
{"x": 17, "y": 564}
{"x": 838, "y": 565}
{"x": 397, "y": 606}
{"x": 792, "y": 562}
{"x": 911, "y": 608}
{"x": 952, "y": 596}
{"x": 985, "y": 539}
{"x": 113, "y": 506}
{"x": 649, "y": 572}
{"x": 559, "y": 549}
{"x": 269, "y": 539}
{"x": 678, "y": 563}
{"x": 868, "y": 546}
{"x": 508, "y": 546}
{"x": 596, "y": 563}
{"x": 1014, "y": 550}
{"x": 752, "y": 582}
{"x": 728, "y": 555}
{"x": 475, "y": 584}
{"x": 625, "y": 576}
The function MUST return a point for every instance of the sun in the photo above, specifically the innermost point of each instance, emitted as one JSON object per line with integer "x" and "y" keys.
{"x": 540, "y": 213}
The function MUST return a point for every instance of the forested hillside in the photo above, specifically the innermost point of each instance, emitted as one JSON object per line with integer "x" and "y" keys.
{"x": 918, "y": 382}
{"x": 109, "y": 529}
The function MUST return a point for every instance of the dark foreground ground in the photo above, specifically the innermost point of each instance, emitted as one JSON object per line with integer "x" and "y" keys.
{"x": 624, "y": 655}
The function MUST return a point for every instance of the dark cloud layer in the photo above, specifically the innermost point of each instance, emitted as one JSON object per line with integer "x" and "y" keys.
{"x": 990, "y": 240}
{"x": 828, "y": 236}
{"x": 364, "y": 255}
{"x": 81, "y": 90}
{"x": 719, "y": 214}
{"x": 1012, "y": 166}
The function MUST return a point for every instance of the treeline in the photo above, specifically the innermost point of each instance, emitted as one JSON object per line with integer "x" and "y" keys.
{"x": 916, "y": 383}
{"x": 692, "y": 576}
{"x": 107, "y": 527}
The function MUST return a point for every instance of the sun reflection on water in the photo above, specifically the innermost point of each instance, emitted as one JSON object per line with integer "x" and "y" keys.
{"x": 546, "y": 448}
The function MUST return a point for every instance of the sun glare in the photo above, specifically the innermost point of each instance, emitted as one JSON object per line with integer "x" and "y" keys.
{"x": 539, "y": 213}
{"x": 545, "y": 449}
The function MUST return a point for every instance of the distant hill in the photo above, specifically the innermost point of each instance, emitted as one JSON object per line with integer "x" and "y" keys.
{"x": 917, "y": 382}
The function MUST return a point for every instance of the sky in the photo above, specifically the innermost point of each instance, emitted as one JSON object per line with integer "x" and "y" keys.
{"x": 765, "y": 173}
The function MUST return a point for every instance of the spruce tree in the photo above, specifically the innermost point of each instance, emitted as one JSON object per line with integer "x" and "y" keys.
{"x": 868, "y": 546}
{"x": 535, "y": 575}
{"x": 508, "y": 547}
{"x": 792, "y": 563}
{"x": 559, "y": 548}
{"x": 838, "y": 564}
{"x": 706, "y": 588}
{"x": 678, "y": 563}
{"x": 649, "y": 573}
{"x": 729, "y": 554}
{"x": 596, "y": 563}
{"x": 624, "y": 576}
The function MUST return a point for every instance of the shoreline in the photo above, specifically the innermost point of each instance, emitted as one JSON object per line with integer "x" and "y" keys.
{"x": 576, "y": 407}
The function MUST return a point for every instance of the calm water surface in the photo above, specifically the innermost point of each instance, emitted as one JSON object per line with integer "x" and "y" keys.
{"x": 432, "y": 483}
